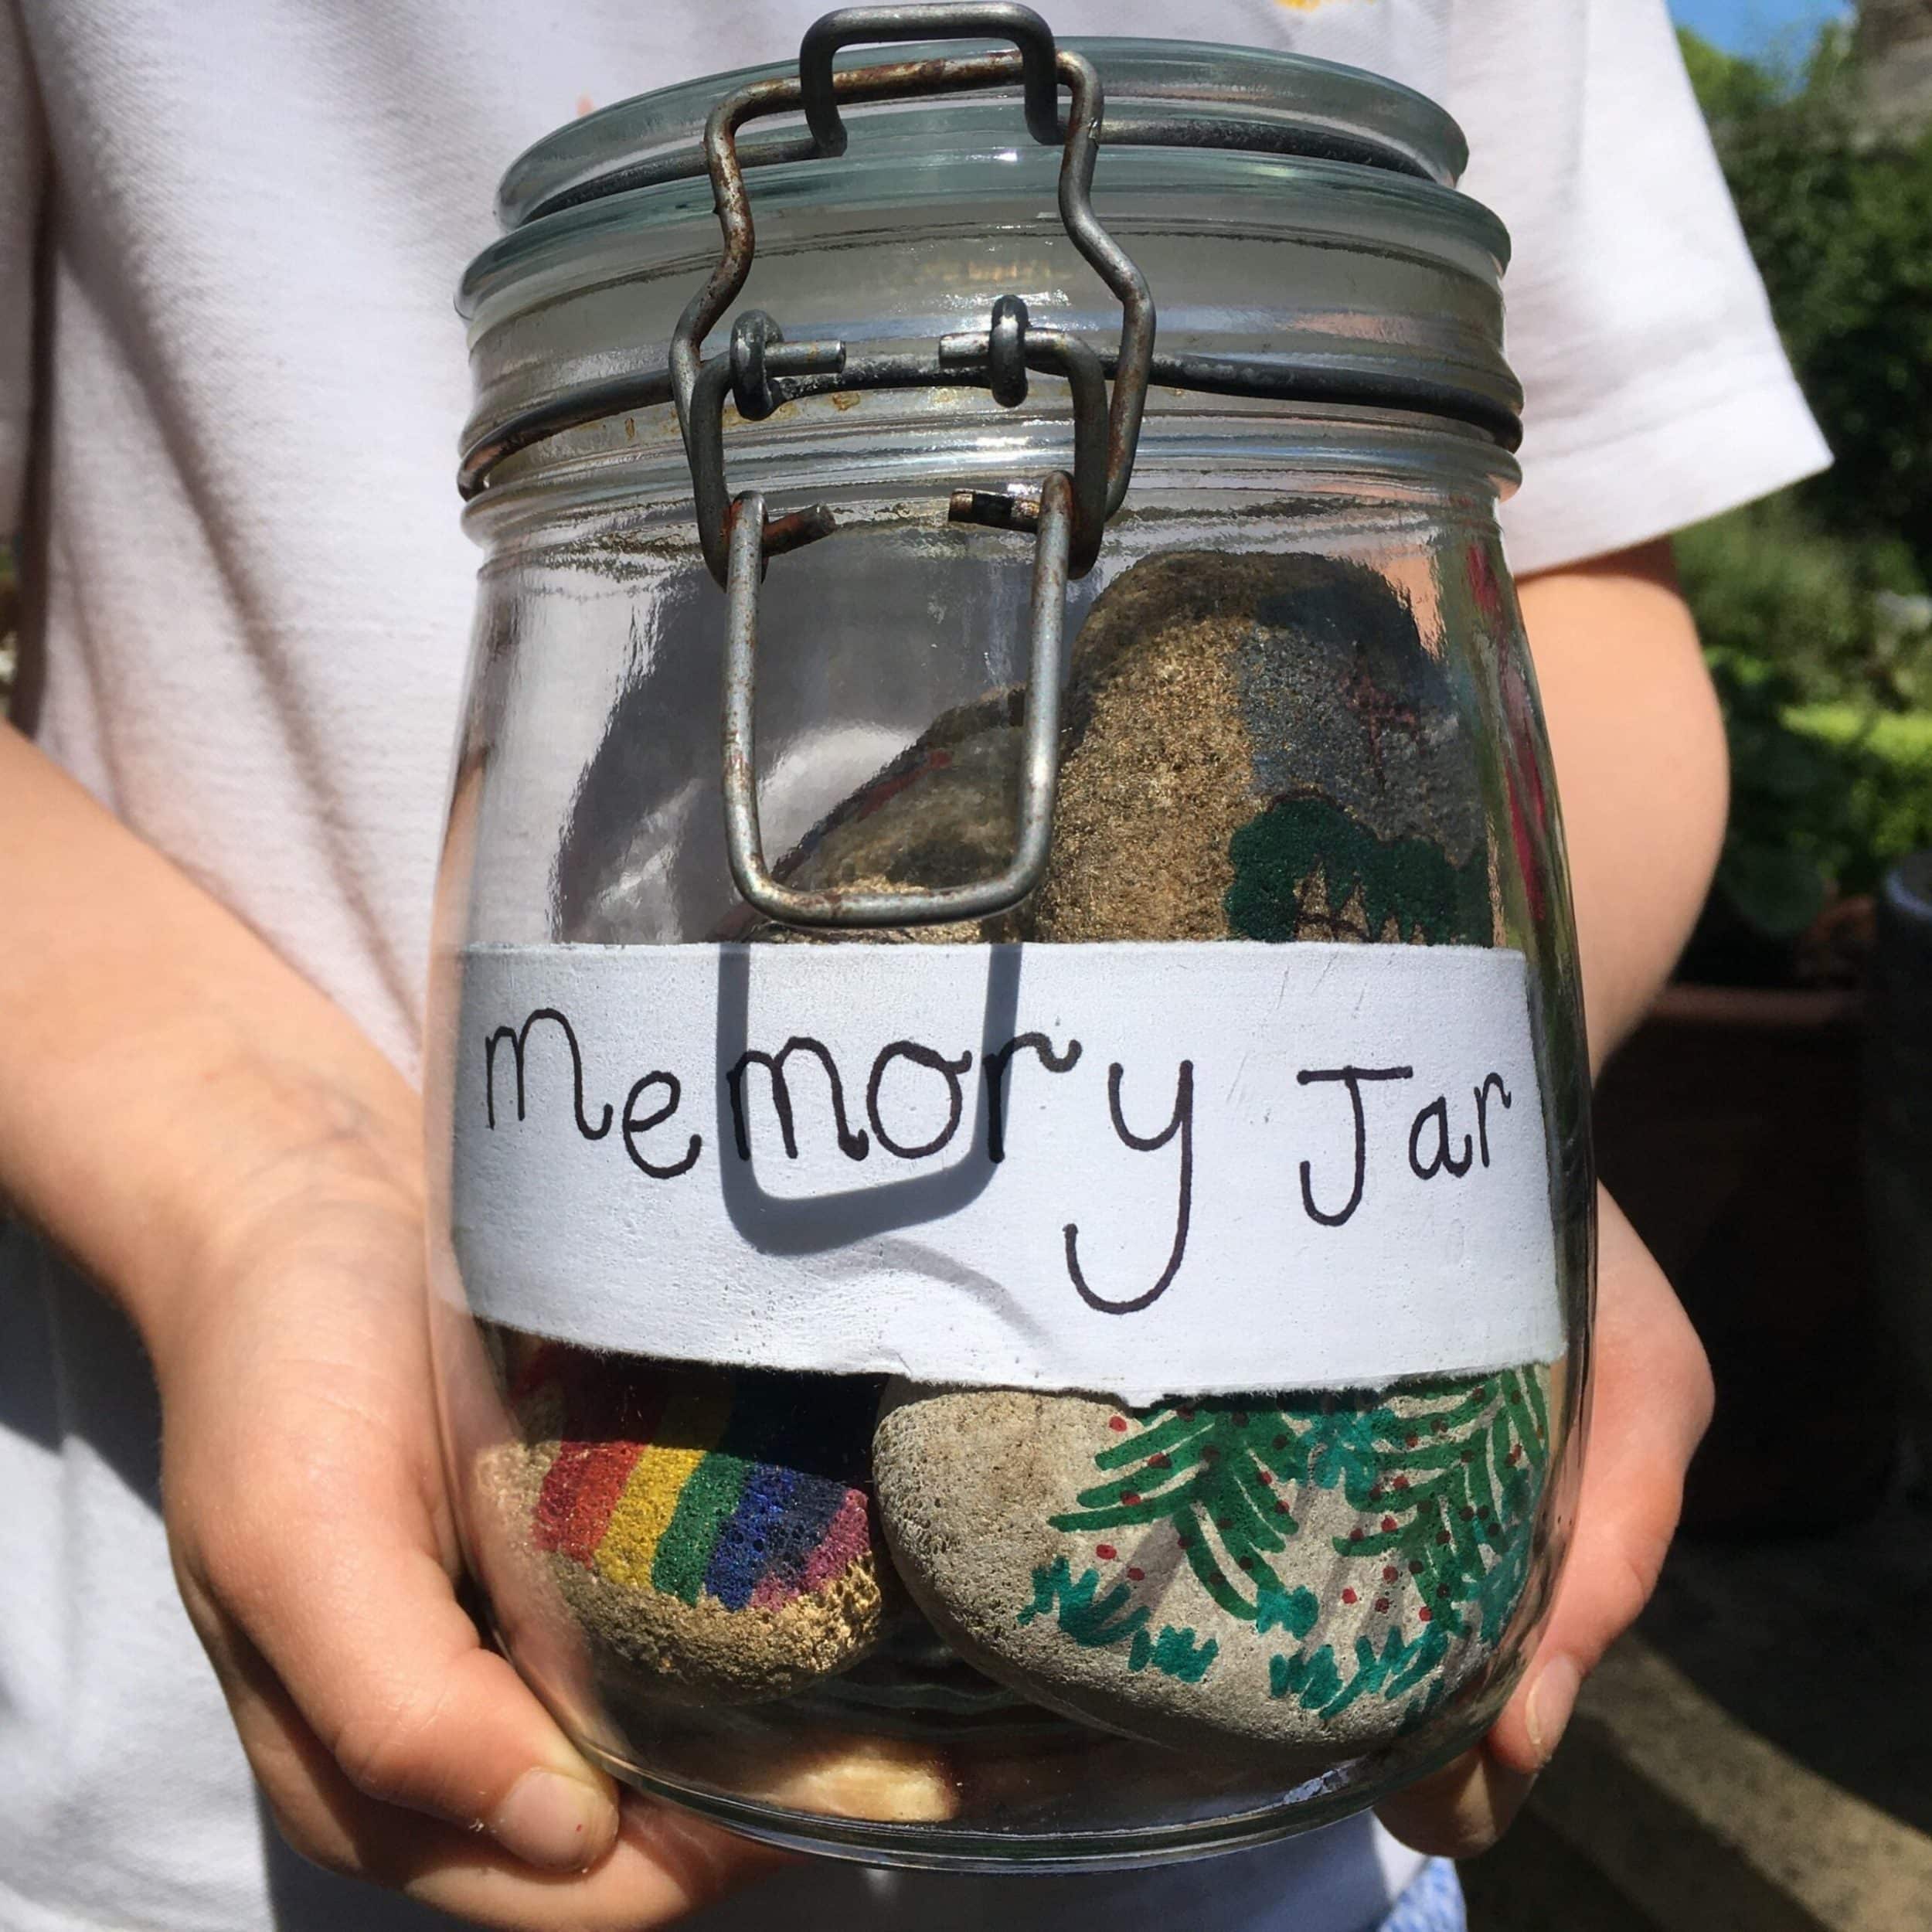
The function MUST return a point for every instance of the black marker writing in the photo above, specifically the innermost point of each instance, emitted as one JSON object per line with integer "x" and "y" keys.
{"x": 520, "y": 1038}
{"x": 1482, "y": 1109}
{"x": 1352, "y": 1077}
{"x": 1180, "y": 1122}
{"x": 996, "y": 1064}
{"x": 635, "y": 1129}
{"x": 1442, "y": 1159}
{"x": 854, "y": 1146}
{"x": 1072, "y": 1144}
{"x": 919, "y": 1056}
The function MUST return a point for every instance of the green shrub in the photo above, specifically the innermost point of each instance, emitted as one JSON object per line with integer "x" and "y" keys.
{"x": 1824, "y": 798}
{"x": 1883, "y": 761}
{"x": 1826, "y": 681}
{"x": 1765, "y": 583}
{"x": 1839, "y": 221}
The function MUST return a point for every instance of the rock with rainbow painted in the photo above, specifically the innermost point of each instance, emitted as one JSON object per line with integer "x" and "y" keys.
{"x": 709, "y": 1530}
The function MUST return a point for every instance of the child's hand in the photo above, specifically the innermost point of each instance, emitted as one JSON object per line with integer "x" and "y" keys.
{"x": 1652, "y": 1405}
{"x": 313, "y": 1540}
{"x": 257, "y": 1212}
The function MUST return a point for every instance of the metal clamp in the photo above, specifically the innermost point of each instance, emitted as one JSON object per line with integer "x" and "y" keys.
{"x": 1039, "y": 745}
{"x": 1068, "y": 514}
{"x": 759, "y": 354}
{"x": 866, "y": 26}
{"x": 1001, "y": 358}
{"x": 818, "y": 91}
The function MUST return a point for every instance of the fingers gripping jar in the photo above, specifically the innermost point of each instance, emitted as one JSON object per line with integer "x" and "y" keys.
{"x": 1013, "y": 1265}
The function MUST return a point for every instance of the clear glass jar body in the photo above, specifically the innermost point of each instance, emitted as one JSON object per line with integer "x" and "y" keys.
{"x": 1309, "y": 635}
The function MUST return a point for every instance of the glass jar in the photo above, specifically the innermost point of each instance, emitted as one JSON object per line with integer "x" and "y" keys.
{"x": 1012, "y": 1245}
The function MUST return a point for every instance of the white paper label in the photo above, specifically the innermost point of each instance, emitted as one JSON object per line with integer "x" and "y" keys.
{"x": 1138, "y": 1169}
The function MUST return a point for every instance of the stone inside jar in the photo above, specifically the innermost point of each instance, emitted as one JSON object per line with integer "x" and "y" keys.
{"x": 1255, "y": 747}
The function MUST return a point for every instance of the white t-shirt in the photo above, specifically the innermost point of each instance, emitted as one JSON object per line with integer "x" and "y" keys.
{"x": 230, "y": 382}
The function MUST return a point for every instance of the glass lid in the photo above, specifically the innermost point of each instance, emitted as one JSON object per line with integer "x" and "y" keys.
{"x": 1245, "y": 98}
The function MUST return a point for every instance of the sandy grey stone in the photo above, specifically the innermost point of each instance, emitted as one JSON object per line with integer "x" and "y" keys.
{"x": 1260, "y": 747}
{"x": 1307, "y": 1576}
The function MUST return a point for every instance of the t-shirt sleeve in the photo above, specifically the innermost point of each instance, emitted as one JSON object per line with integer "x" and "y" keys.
{"x": 22, "y": 171}
{"x": 1656, "y": 390}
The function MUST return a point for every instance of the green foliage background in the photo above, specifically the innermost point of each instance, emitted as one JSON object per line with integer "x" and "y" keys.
{"x": 1806, "y": 601}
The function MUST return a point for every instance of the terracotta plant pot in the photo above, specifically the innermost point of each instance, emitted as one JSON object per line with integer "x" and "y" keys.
{"x": 1728, "y": 1128}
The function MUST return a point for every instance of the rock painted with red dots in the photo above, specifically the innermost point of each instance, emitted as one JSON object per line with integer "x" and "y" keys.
{"x": 1259, "y": 748}
{"x": 1303, "y": 1575}
{"x": 710, "y": 1531}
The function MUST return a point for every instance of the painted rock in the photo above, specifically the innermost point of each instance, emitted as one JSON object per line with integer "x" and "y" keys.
{"x": 1252, "y": 747}
{"x": 1246, "y": 731}
{"x": 1307, "y": 1575}
{"x": 1256, "y": 748}
{"x": 709, "y": 1530}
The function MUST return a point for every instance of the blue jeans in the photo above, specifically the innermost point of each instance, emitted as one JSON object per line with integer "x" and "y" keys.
{"x": 1433, "y": 1903}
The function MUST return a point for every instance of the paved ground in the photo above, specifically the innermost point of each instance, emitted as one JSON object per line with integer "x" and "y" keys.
{"x": 1535, "y": 1882}
{"x": 1757, "y": 1759}
{"x": 1819, "y": 1644}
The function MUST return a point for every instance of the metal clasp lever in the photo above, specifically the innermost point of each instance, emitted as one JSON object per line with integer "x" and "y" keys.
{"x": 1069, "y": 513}
{"x": 1039, "y": 748}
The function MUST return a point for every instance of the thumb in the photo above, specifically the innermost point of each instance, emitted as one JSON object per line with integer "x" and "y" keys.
{"x": 333, "y": 1597}
{"x": 1650, "y": 1403}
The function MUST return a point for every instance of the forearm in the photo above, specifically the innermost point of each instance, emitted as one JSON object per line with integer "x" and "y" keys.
{"x": 1641, "y": 767}
{"x": 163, "y": 1075}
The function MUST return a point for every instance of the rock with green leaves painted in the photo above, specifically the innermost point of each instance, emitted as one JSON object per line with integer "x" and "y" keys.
{"x": 1306, "y": 1575}
{"x": 1260, "y": 747}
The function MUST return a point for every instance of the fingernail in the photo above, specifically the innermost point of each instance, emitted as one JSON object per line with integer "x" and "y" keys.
{"x": 550, "y": 1820}
{"x": 1551, "y": 1697}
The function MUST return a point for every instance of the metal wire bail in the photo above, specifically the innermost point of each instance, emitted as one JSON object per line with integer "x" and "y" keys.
{"x": 1068, "y": 514}
{"x": 1040, "y": 744}
{"x": 863, "y": 26}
